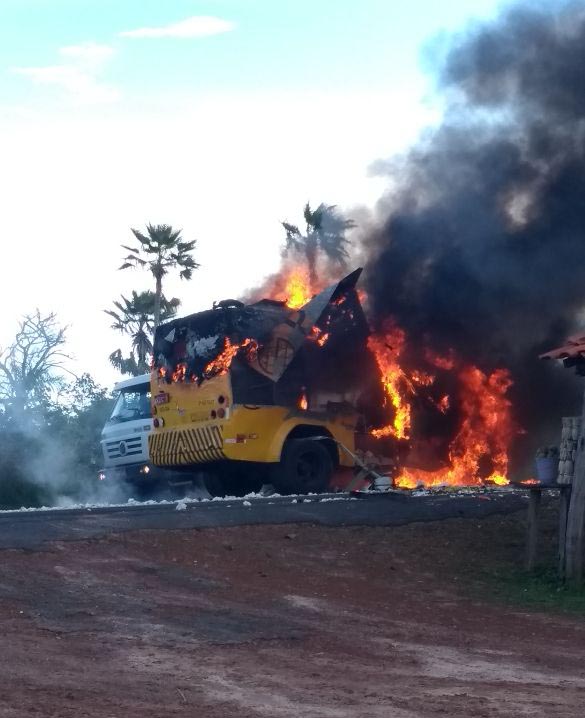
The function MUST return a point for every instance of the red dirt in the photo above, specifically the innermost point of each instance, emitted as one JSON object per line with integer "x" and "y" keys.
{"x": 279, "y": 621}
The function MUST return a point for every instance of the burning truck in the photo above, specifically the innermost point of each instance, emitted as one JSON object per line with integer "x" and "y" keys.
{"x": 293, "y": 390}
{"x": 245, "y": 394}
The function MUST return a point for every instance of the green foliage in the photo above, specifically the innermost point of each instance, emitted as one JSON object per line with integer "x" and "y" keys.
{"x": 492, "y": 564}
{"x": 59, "y": 453}
{"x": 134, "y": 317}
{"x": 89, "y": 405}
{"x": 160, "y": 250}
{"x": 50, "y": 424}
{"x": 17, "y": 488}
{"x": 325, "y": 230}
{"x": 542, "y": 590}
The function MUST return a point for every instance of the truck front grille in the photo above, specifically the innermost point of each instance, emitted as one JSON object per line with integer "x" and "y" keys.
{"x": 174, "y": 447}
{"x": 124, "y": 447}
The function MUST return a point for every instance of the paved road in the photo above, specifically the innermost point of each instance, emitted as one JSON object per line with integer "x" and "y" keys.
{"x": 32, "y": 529}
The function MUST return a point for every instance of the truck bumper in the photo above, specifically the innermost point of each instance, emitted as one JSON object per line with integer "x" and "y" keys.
{"x": 138, "y": 474}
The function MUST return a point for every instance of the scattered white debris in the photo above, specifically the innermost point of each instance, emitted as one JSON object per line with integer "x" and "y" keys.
{"x": 338, "y": 498}
{"x": 65, "y": 504}
{"x": 306, "y": 602}
{"x": 202, "y": 346}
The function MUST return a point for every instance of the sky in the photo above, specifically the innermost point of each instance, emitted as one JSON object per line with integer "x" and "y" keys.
{"x": 220, "y": 117}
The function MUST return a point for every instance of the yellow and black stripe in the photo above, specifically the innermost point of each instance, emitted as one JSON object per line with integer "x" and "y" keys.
{"x": 175, "y": 447}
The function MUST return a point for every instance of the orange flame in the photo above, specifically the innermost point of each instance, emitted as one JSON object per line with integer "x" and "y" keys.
{"x": 297, "y": 290}
{"x": 484, "y": 435}
{"x": 223, "y": 361}
{"x": 220, "y": 365}
{"x": 319, "y": 336}
{"x": 387, "y": 350}
{"x": 179, "y": 373}
{"x": 303, "y": 402}
{"x": 478, "y": 453}
{"x": 441, "y": 362}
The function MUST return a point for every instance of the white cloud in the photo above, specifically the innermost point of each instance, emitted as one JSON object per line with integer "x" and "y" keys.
{"x": 91, "y": 55}
{"x": 197, "y": 26}
{"x": 78, "y": 74}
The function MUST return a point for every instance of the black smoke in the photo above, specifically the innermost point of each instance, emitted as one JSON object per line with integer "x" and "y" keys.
{"x": 481, "y": 246}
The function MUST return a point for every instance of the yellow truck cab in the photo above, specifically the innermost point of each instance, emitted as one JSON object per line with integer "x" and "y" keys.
{"x": 252, "y": 394}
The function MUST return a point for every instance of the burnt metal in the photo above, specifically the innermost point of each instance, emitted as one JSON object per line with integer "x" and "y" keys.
{"x": 288, "y": 362}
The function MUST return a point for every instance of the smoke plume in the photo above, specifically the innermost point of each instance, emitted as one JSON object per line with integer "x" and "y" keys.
{"x": 480, "y": 245}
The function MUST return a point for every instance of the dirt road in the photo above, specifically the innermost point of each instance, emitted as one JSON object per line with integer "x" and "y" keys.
{"x": 279, "y": 621}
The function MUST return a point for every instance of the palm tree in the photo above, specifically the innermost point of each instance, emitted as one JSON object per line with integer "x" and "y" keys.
{"x": 324, "y": 233}
{"x": 160, "y": 250}
{"x": 135, "y": 317}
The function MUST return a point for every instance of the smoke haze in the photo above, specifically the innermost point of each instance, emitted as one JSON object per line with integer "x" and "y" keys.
{"x": 480, "y": 245}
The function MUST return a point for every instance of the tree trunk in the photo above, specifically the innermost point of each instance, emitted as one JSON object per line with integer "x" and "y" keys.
{"x": 157, "y": 298}
{"x": 575, "y": 520}
{"x": 311, "y": 254}
{"x": 142, "y": 358}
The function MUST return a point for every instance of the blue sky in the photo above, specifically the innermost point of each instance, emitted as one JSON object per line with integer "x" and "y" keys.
{"x": 301, "y": 43}
{"x": 222, "y": 117}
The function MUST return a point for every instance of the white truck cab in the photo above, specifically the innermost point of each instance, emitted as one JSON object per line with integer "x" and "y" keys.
{"x": 125, "y": 436}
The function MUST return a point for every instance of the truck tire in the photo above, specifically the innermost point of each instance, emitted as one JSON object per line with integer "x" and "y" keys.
{"x": 306, "y": 467}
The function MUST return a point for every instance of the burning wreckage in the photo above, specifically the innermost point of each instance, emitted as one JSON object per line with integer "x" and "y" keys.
{"x": 262, "y": 386}
{"x": 295, "y": 388}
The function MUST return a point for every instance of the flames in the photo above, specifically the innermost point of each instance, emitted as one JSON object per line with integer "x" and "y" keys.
{"x": 478, "y": 450}
{"x": 216, "y": 367}
{"x": 478, "y": 453}
{"x": 387, "y": 349}
{"x": 296, "y": 290}
{"x": 470, "y": 406}
{"x": 319, "y": 336}
{"x": 223, "y": 361}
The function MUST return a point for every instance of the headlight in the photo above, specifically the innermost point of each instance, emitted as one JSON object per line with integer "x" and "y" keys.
{"x": 102, "y": 476}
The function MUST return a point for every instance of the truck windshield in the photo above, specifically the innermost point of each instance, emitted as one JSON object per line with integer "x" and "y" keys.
{"x": 132, "y": 403}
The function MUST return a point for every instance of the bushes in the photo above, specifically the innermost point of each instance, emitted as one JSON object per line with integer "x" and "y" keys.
{"x": 17, "y": 485}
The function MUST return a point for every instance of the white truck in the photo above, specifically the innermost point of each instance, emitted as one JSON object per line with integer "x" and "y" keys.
{"x": 124, "y": 443}
{"x": 125, "y": 435}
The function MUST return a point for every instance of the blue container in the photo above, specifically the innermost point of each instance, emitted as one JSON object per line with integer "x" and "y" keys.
{"x": 547, "y": 470}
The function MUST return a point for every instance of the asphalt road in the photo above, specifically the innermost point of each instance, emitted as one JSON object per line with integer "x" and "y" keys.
{"x": 33, "y": 529}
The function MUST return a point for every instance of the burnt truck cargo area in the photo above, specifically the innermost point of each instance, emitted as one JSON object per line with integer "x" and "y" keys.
{"x": 264, "y": 389}
{"x": 275, "y": 354}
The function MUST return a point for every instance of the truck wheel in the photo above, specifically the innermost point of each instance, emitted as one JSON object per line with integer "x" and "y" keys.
{"x": 305, "y": 467}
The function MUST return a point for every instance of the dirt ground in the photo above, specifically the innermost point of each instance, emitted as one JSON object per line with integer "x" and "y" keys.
{"x": 283, "y": 621}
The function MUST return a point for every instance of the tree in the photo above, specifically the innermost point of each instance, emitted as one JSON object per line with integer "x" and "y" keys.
{"x": 86, "y": 407}
{"x": 32, "y": 367}
{"x": 160, "y": 250}
{"x": 135, "y": 317}
{"x": 325, "y": 230}
{"x": 50, "y": 424}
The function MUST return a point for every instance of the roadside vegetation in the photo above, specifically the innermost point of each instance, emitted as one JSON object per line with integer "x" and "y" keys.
{"x": 50, "y": 419}
{"x": 160, "y": 250}
{"x": 51, "y": 416}
{"x": 485, "y": 560}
